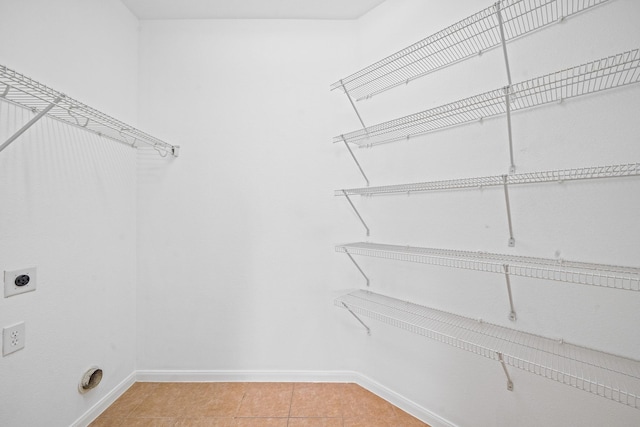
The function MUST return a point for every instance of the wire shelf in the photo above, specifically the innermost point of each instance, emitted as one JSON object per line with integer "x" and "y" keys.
{"x": 472, "y": 36}
{"x": 606, "y": 375}
{"x": 595, "y": 172}
{"x": 26, "y": 92}
{"x": 607, "y": 73}
{"x": 601, "y": 275}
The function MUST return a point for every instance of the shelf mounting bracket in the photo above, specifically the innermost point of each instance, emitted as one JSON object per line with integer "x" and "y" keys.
{"x": 504, "y": 367}
{"x": 6, "y": 91}
{"x": 512, "y": 314}
{"x": 507, "y": 90}
{"x": 344, "y": 193}
{"x": 512, "y": 241}
{"x": 31, "y": 122}
{"x": 355, "y": 159}
{"x": 507, "y": 101}
{"x": 503, "y": 41}
{"x": 357, "y": 318}
{"x": 357, "y": 266}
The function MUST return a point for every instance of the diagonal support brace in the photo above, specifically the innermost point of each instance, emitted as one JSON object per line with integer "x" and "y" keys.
{"x": 356, "y": 211}
{"x": 512, "y": 314}
{"x": 504, "y": 367}
{"x": 503, "y": 41}
{"x": 355, "y": 160}
{"x": 507, "y": 100}
{"x": 357, "y": 266}
{"x": 353, "y": 104}
{"x": 31, "y": 122}
{"x": 357, "y": 318}
{"x": 512, "y": 241}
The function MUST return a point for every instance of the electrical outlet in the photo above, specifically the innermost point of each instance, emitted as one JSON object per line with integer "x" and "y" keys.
{"x": 13, "y": 338}
{"x": 19, "y": 281}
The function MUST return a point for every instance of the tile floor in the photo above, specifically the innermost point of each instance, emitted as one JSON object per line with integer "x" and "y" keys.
{"x": 252, "y": 405}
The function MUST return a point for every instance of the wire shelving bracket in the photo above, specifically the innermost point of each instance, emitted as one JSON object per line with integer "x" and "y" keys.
{"x": 42, "y": 100}
{"x": 603, "y": 374}
{"x": 595, "y": 172}
{"x": 603, "y": 74}
{"x": 487, "y": 29}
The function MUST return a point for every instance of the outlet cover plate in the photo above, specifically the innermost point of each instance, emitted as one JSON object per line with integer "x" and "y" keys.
{"x": 13, "y": 338}
{"x": 10, "y": 287}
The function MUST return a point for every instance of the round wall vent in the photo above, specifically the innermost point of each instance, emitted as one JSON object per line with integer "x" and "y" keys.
{"x": 90, "y": 379}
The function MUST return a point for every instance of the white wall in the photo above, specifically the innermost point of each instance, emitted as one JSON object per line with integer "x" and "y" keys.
{"x": 586, "y": 221}
{"x": 68, "y": 207}
{"x": 236, "y": 268}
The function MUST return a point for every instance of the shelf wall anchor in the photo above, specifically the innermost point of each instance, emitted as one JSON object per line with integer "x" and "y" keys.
{"x": 504, "y": 367}
{"x": 512, "y": 240}
{"x": 512, "y": 314}
{"x": 31, "y": 122}
{"x": 353, "y": 156}
{"x": 357, "y": 266}
{"x": 357, "y": 318}
{"x": 344, "y": 193}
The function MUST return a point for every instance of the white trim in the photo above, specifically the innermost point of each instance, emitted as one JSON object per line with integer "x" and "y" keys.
{"x": 105, "y": 402}
{"x": 298, "y": 376}
{"x": 247, "y": 376}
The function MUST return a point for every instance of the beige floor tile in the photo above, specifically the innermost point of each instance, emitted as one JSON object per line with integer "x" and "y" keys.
{"x": 129, "y": 400}
{"x": 404, "y": 419}
{"x": 315, "y": 422}
{"x": 266, "y": 400}
{"x": 358, "y": 402}
{"x": 261, "y": 422}
{"x": 205, "y": 422}
{"x": 149, "y": 422}
{"x": 165, "y": 400}
{"x": 107, "y": 422}
{"x": 215, "y": 400}
{"x": 317, "y": 400}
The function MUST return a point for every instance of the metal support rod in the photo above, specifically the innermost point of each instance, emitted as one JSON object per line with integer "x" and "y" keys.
{"x": 504, "y": 43}
{"x": 357, "y": 266}
{"x": 356, "y": 211}
{"x": 6, "y": 91}
{"x": 507, "y": 100}
{"x": 512, "y": 241}
{"x": 353, "y": 105}
{"x": 512, "y": 314}
{"x": 30, "y": 123}
{"x": 355, "y": 160}
{"x": 358, "y": 319}
{"x": 504, "y": 367}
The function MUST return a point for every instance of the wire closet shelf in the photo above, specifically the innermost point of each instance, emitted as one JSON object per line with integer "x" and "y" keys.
{"x": 607, "y": 73}
{"x": 28, "y": 93}
{"x": 575, "y": 174}
{"x": 612, "y": 377}
{"x": 602, "y": 275}
{"x": 474, "y": 35}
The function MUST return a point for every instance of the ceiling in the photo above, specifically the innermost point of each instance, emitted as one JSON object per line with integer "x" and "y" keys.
{"x": 250, "y": 9}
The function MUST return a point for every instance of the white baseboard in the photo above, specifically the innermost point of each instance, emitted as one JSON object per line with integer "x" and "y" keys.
{"x": 105, "y": 402}
{"x": 247, "y": 376}
{"x": 298, "y": 376}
